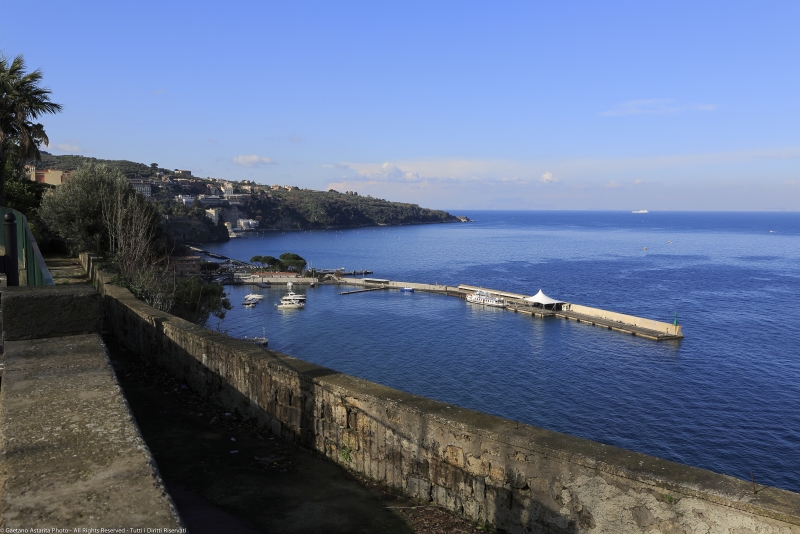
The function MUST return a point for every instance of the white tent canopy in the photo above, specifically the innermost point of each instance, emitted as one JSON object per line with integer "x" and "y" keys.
{"x": 544, "y": 300}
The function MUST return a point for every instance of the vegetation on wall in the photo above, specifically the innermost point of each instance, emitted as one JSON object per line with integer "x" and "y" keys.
{"x": 98, "y": 211}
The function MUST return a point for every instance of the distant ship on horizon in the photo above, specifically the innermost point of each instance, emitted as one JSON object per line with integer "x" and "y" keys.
{"x": 640, "y": 211}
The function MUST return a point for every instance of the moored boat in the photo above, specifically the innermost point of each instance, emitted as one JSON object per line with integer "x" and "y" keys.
{"x": 407, "y": 289}
{"x": 290, "y": 305}
{"x": 486, "y": 299}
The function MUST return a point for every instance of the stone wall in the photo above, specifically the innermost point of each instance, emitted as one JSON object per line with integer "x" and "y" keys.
{"x": 71, "y": 456}
{"x": 513, "y": 476}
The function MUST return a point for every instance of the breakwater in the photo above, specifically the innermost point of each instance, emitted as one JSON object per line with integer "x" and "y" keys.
{"x": 514, "y": 476}
{"x": 619, "y": 322}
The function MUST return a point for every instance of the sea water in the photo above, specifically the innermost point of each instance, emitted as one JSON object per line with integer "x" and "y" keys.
{"x": 724, "y": 398}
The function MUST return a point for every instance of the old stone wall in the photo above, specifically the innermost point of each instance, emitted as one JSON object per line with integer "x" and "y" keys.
{"x": 516, "y": 477}
{"x": 71, "y": 456}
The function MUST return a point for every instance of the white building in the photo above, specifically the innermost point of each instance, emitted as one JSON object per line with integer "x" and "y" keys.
{"x": 247, "y": 224}
{"x": 213, "y": 214}
{"x": 185, "y": 199}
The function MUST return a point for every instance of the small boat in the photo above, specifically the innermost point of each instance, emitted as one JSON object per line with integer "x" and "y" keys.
{"x": 292, "y": 301}
{"x": 249, "y": 304}
{"x": 291, "y": 295}
{"x": 640, "y": 211}
{"x": 482, "y": 297}
{"x": 407, "y": 289}
{"x": 258, "y": 341}
{"x": 290, "y": 305}
{"x": 254, "y": 296}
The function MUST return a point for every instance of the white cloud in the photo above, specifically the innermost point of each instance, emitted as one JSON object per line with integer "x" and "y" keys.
{"x": 252, "y": 161}
{"x": 389, "y": 172}
{"x": 613, "y": 184}
{"x": 790, "y": 182}
{"x": 706, "y": 107}
{"x": 548, "y": 178}
{"x": 72, "y": 146}
{"x": 295, "y": 138}
{"x": 342, "y": 166}
{"x": 637, "y": 181}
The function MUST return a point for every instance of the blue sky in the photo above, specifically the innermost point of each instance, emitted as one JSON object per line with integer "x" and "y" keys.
{"x": 520, "y": 105}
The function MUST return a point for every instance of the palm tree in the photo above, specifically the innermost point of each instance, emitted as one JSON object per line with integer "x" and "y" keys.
{"x": 22, "y": 101}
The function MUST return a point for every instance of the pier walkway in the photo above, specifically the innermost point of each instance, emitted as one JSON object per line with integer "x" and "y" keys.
{"x": 515, "y": 302}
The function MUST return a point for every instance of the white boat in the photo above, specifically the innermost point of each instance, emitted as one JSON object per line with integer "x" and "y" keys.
{"x": 249, "y": 304}
{"x": 291, "y": 295}
{"x": 407, "y": 289}
{"x": 292, "y": 300}
{"x": 290, "y": 305}
{"x": 482, "y": 297}
{"x": 254, "y": 296}
{"x": 640, "y": 211}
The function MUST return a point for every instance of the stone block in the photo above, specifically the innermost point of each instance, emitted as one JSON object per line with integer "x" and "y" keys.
{"x": 419, "y": 488}
{"x": 454, "y": 456}
{"x": 41, "y": 312}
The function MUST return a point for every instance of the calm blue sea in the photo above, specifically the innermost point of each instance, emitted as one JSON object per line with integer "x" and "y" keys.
{"x": 725, "y": 398}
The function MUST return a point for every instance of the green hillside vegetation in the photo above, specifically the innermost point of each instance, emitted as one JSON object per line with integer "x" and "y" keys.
{"x": 298, "y": 209}
{"x": 305, "y": 209}
{"x": 70, "y": 163}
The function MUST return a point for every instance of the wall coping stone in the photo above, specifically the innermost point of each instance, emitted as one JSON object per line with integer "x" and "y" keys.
{"x": 31, "y": 312}
{"x": 71, "y": 455}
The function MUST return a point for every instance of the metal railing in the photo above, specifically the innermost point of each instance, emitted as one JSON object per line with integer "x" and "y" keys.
{"x": 21, "y": 253}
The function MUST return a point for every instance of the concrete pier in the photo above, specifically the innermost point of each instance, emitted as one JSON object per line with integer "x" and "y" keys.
{"x": 618, "y": 322}
{"x": 627, "y": 324}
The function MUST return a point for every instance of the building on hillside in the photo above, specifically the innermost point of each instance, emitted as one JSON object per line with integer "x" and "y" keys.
{"x": 185, "y": 265}
{"x": 48, "y": 176}
{"x": 247, "y": 224}
{"x": 238, "y": 198}
{"x": 227, "y": 189}
{"x": 144, "y": 187}
{"x": 186, "y": 200}
{"x": 183, "y": 174}
{"x": 210, "y": 200}
{"x": 213, "y": 214}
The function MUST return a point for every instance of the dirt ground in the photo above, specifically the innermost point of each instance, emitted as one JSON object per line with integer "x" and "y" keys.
{"x": 226, "y": 476}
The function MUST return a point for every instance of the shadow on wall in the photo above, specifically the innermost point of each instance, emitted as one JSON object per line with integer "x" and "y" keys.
{"x": 288, "y": 399}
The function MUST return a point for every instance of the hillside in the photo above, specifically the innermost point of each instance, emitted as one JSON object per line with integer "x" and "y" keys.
{"x": 70, "y": 163}
{"x": 305, "y": 209}
{"x": 280, "y": 209}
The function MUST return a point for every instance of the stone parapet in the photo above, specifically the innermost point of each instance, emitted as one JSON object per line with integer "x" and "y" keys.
{"x": 71, "y": 456}
{"x": 516, "y": 477}
{"x": 32, "y": 312}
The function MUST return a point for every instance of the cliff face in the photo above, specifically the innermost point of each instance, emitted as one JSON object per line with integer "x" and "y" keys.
{"x": 192, "y": 230}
